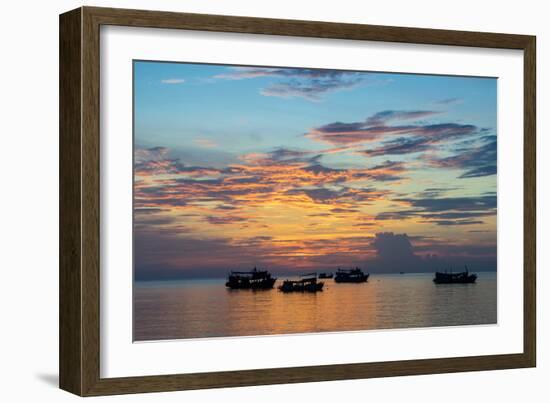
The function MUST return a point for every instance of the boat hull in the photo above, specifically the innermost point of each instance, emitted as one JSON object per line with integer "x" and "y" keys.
{"x": 451, "y": 278}
{"x": 264, "y": 284}
{"x": 352, "y": 279}
{"x": 288, "y": 286}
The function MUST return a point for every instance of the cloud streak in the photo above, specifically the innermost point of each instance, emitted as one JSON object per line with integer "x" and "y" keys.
{"x": 446, "y": 211}
{"x": 449, "y": 101}
{"x": 310, "y": 84}
{"x": 172, "y": 81}
{"x": 477, "y": 161}
{"x": 396, "y": 139}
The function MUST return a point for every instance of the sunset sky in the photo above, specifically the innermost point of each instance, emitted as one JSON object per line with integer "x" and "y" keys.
{"x": 299, "y": 169}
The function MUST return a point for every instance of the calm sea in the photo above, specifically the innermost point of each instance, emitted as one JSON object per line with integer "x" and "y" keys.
{"x": 205, "y": 308}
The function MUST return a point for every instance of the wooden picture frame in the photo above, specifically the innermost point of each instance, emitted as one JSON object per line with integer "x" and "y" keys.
{"x": 79, "y": 346}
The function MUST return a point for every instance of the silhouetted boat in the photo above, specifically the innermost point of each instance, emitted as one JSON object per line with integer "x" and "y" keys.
{"x": 351, "y": 276}
{"x": 455, "y": 278}
{"x": 255, "y": 279}
{"x": 308, "y": 283}
{"x": 326, "y": 275}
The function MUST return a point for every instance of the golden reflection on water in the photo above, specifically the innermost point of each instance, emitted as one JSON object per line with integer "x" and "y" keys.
{"x": 194, "y": 309}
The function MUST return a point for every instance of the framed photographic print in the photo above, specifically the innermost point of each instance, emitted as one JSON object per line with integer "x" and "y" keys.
{"x": 249, "y": 201}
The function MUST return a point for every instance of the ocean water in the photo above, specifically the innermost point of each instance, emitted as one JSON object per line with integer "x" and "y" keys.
{"x": 205, "y": 308}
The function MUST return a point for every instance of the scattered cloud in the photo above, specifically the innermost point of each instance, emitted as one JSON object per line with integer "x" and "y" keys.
{"x": 449, "y": 101}
{"x": 477, "y": 161}
{"x": 480, "y": 171}
{"x": 310, "y": 84}
{"x": 172, "y": 81}
{"x": 454, "y": 203}
{"x": 240, "y": 73}
{"x": 341, "y": 195}
{"x": 388, "y": 171}
{"x": 444, "y": 211}
{"x": 150, "y": 154}
{"x": 402, "y": 145}
{"x": 206, "y": 143}
{"x": 224, "y": 219}
{"x": 376, "y": 128}
{"x": 312, "y": 90}
{"x": 382, "y": 118}
{"x": 340, "y": 210}
{"x": 456, "y": 222}
{"x": 436, "y": 192}
{"x": 282, "y": 155}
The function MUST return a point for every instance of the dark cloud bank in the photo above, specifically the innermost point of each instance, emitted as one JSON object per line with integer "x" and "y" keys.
{"x": 396, "y": 253}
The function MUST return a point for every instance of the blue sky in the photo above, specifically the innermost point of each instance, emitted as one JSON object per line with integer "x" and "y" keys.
{"x": 220, "y": 109}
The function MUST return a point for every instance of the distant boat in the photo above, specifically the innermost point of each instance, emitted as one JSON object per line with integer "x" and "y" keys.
{"x": 254, "y": 279}
{"x": 455, "y": 278}
{"x": 326, "y": 275}
{"x": 308, "y": 283}
{"x": 401, "y": 272}
{"x": 351, "y": 276}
